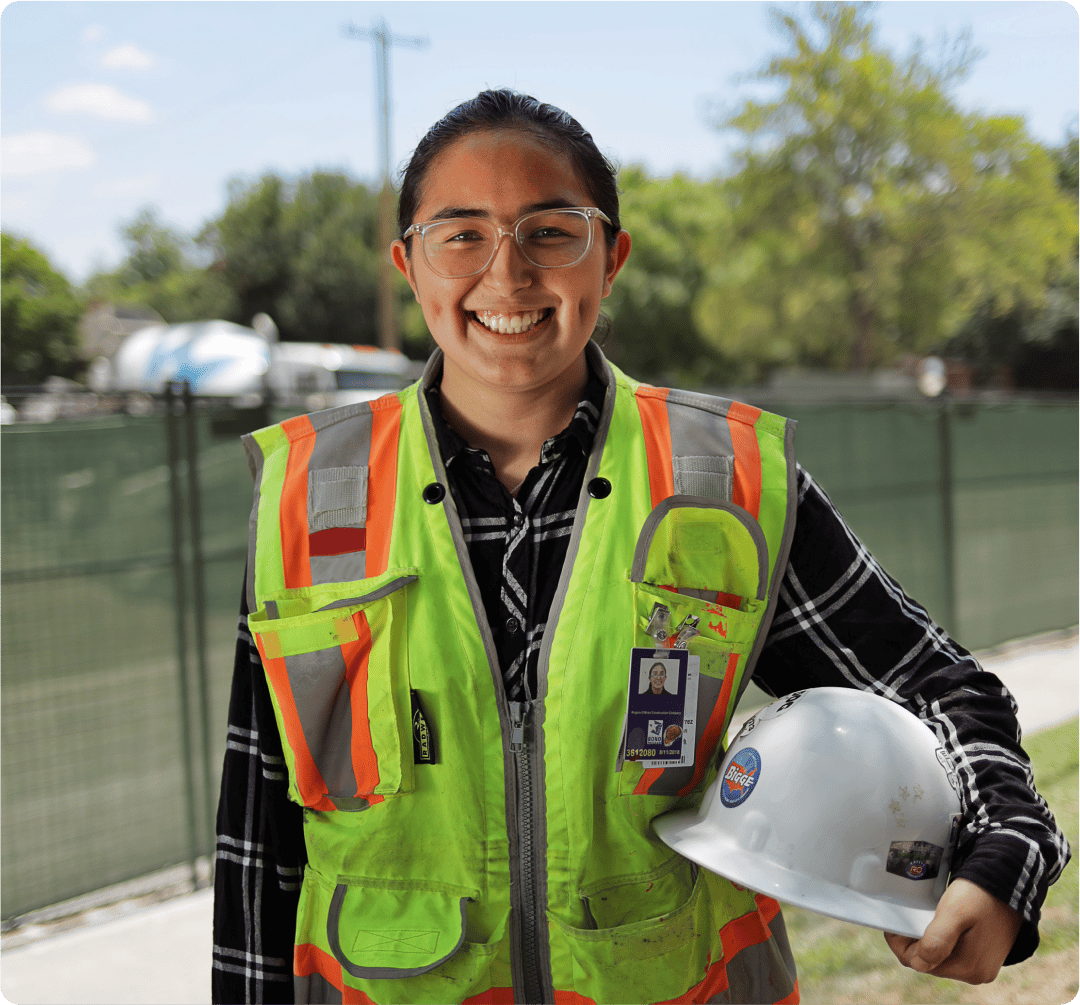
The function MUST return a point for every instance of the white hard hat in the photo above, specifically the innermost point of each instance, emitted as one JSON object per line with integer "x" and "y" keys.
{"x": 835, "y": 800}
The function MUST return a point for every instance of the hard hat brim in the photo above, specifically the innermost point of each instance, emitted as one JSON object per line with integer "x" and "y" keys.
{"x": 699, "y": 840}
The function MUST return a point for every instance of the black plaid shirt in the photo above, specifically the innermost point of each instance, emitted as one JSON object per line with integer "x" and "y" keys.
{"x": 840, "y": 621}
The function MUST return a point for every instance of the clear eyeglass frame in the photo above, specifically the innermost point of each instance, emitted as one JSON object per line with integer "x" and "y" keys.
{"x": 421, "y": 229}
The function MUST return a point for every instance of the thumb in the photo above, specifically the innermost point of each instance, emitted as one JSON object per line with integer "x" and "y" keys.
{"x": 937, "y": 943}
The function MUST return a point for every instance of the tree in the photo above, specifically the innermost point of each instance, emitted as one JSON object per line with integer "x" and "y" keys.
{"x": 655, "y": 335}
{"x": 1030, "y": 345}
{"x": 40, "y": 314}
{"x": 307, "y": 254}
{"x": 869, "y": 215}
{"x": 162, "y": 271}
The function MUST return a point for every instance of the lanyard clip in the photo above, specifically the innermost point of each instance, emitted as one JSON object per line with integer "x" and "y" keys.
{"x": 687, "y": 630}
{"x": 659, "y": 621}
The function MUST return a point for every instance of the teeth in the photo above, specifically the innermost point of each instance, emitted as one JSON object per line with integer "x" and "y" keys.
{"x": 509, "y": 324}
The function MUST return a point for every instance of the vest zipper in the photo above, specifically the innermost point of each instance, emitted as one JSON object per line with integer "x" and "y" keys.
{"x": 523, "y": 750}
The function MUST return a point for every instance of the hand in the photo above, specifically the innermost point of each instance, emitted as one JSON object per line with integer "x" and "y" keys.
{"x": 968, "y": 939}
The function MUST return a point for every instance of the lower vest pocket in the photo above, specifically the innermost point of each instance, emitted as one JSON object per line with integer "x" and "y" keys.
{"x": 646, "y": 961}
{"x": 397, "y": 941}
{"x": 336, "y": 662}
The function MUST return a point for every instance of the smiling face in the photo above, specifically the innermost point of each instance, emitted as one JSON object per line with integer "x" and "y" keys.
{"x": 657, "y": 676}
{"x": 516, "y": 326}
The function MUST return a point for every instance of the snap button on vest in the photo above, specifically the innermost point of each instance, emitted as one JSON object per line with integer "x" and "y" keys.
{"x": 599, "y": 488}
{"x": 434, "y": 493}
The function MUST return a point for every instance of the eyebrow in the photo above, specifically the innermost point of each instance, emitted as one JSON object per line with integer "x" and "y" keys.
{"x": 454, "y": 212}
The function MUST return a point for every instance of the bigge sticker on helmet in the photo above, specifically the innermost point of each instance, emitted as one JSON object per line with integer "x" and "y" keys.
{"x": 741, "y": 776}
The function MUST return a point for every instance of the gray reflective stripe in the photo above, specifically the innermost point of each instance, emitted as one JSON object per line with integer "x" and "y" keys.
{"x": 314, "y": 990}
{"x": 781, "y": 559}
{"x": 338, "y": 568}
{"x": 321, "y": 695}
{"x": 710, "y": 476}
{"x": 698, "y": 425}
{"x": 271, "y": 610}
{"x": 761, "y": 973}
{"x": 665, "y": 506}
{"x": 378, "y": 973}
{"x": 337, "y": 497}
{"x": 342, "y": 441}
{"x": 353, "y": 804}
{"x": 383, "y": 591}
{"x": 255, "y": 462}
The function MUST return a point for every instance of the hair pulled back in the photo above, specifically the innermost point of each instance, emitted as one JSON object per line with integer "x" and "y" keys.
{"x": 507, "y": 109}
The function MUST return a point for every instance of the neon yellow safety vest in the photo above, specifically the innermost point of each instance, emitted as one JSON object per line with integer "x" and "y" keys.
{"x": 514, "y": 860}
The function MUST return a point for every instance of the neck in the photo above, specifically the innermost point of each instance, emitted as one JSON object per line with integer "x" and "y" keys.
{"x": 511, "y": 425}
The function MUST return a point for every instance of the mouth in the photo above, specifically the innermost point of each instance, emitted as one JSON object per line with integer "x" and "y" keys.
{"x": 516, "y": 323}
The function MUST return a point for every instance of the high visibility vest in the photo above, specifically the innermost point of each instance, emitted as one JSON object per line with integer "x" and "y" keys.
{"x": 513, "y": 859}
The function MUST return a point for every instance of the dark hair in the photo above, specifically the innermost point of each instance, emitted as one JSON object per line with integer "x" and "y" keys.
{"x": 506, "y": 109}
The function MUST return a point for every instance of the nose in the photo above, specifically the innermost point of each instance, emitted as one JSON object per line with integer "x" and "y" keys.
{"x": 509, "y": 268}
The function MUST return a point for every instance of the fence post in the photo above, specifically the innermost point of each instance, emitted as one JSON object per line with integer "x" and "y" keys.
{"x": 176, "y": 515}
{"x": 198, "y": 590}
{"x": 948, "y": 532}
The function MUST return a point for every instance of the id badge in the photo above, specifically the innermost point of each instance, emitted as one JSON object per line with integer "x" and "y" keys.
{"x": 661, "y": 705}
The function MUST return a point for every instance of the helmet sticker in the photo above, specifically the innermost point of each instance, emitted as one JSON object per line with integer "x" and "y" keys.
{"x": 914, "y": 859}
{"x": 742, "y": 774}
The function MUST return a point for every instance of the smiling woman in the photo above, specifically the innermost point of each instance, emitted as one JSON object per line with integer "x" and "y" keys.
{"x": 479, "y": 562}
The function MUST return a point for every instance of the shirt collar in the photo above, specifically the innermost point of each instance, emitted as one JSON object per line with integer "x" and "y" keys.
{"x": 581, "y": 430}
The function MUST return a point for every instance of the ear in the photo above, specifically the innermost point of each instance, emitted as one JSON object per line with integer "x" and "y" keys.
{"x": 402, "y": 262}
{"x": 616, "y": 259}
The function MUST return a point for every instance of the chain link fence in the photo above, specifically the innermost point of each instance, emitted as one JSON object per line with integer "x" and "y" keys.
{"x": 121, "y": 582}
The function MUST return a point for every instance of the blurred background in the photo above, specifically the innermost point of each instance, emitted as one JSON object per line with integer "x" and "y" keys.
{"x": 863, "y": 216}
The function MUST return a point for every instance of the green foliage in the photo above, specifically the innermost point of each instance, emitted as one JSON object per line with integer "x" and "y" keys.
{"x": 40, "y": 314}
{"x": 161, "y": 272}
{"x": 306, "y": 254}
{"x": 651, "y": 303}
{"x": 869, "y": 215}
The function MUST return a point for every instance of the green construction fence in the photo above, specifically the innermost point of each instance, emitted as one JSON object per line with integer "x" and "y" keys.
{"x": 112, "y": 745}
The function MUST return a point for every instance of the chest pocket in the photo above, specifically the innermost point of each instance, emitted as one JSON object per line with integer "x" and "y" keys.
{"x": 337, "y": 665}
{"x": 707, "y": 560}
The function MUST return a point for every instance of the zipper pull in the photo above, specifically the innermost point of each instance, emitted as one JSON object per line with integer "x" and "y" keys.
{"x": 518, "y": 713}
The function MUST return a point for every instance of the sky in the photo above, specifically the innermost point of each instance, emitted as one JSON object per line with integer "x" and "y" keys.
{"x": 109, "y": 107}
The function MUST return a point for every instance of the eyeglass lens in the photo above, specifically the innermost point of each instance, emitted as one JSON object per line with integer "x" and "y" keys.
{"x": 549, "y": 239}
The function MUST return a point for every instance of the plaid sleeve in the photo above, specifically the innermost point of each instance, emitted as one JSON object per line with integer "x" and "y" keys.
{"x": 260, "y": 856}
{"x": 842, "y": 621}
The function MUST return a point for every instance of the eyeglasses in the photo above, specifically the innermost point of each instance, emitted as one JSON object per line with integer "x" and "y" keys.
{"x": 549, "y": 239}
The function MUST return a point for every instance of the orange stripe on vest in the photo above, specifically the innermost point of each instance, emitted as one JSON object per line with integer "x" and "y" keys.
{"x": 652, "y": 406}
{"x": 382, "y": 481}
{"x": 364, "y": 763}
{"x": 747, "y": 492}
{"x": 294, "y": 498}
{"x": 714, "y": 728}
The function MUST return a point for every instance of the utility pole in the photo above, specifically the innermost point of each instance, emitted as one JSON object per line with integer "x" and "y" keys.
{"x": 380, "y": 34}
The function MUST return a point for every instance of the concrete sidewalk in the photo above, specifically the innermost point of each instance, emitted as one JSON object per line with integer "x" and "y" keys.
{"x": 162, "y": 954}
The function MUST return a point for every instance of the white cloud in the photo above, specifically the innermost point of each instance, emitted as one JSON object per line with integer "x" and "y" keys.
{"x": 38, "y": 152}
{"x": 100, "y": 100}
{"x": 127, "y": 57}
{"x": 93, "y": 33}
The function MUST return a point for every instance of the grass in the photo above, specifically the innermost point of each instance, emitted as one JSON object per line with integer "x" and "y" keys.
{"x": 842, "y": 963}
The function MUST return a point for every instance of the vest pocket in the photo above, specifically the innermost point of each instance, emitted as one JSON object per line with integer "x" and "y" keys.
{"x": 398, "y": 940}
{"x": 707, "y": 561}
{"x": 337, "y": 665}
{"x": 652, "y": 960}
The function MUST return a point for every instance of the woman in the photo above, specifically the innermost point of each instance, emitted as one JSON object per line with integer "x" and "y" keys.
{"x": 451, "y": 562}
